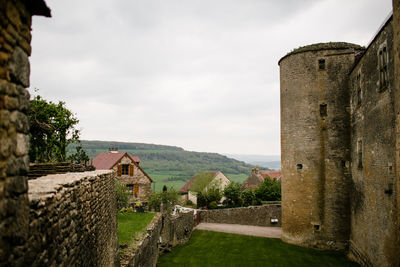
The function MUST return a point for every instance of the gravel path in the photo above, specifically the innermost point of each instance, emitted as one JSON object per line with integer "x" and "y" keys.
{"x": 272, "y": 232}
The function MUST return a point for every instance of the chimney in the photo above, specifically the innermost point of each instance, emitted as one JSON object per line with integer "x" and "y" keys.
{"x": 113, "y": 150}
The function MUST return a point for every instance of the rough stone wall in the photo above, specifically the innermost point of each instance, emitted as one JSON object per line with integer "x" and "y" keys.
{"x": 254, "y": 215}
{"x": 373, "y": 194}
{"x": 315, "y": 145}
{"x": 396, "y": 62}
{"x": 15, "y": 37}
{"x": 72, "y": 221}
{"x": 164, "y": 232}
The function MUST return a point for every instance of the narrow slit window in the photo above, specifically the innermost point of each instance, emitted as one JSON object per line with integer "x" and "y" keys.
{"x": 359, "y": 154}
{"x": 358, "y": 86}
{"x": 323, "y": 110}
{"x": 383, "y": 66}
{"x": 321, "y": 64}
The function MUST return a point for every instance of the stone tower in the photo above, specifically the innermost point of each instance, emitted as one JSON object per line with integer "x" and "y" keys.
{"x": 315, "y": 144}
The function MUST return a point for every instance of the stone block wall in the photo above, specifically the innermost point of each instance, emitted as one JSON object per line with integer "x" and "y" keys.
{"x": 15, "y": 37}
{"x": 164, "y": 232}
{"x": 254, "y": 215}
{"x": 72, "y": 221}
{"x": 373, "y": 192}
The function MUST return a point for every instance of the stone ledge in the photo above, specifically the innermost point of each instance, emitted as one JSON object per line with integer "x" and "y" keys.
{"x": 47, "y": 186}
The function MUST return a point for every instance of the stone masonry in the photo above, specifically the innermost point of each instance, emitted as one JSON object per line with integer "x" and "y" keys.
{"x": 15, "y": 37}
{"x": 340, "y": 117}
{"x": 72, "y": 220}
{"x": 253, "y": 215}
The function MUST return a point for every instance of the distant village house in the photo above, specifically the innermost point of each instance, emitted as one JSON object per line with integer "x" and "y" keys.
{"x": 256, "y": 177}
{"x": 137, "y": 181}
{"x": 218, "y": 178}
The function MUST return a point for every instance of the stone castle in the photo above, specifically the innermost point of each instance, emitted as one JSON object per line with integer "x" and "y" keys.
{"x": 340, "y": 145}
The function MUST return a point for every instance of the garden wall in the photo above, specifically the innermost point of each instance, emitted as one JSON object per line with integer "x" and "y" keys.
{"x": 72, "y": 220}
{"x": 164, "y": 232}
{"x": 253, "y": 215}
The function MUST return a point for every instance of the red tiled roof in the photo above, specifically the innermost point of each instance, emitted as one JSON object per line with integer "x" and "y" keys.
{"x": 186, "y": 187}
{"x": 270, "y": 174}
{"x": 107, "y": 160}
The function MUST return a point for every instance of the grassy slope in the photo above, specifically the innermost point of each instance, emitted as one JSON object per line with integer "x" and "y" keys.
{"x": 173, "y": 166}
{"x": 131, "y": 224}
{"x": 207, "y": 248}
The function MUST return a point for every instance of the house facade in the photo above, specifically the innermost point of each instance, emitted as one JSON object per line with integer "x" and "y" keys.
{"x": 137, "y": 181}
{"x": 218, "y": 178}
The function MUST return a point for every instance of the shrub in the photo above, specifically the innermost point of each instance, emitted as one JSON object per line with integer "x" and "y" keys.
{"x": 168, "y": 199}
{"x": 208, "y": 195}
{"x": 189, "y": 202}
{"x": 269, "y": 190}
{"x": 248, "y": 197}
{"x": 233, "y": 193}
{"x": 213, "y": 205}
{"x": 121, "y": 195}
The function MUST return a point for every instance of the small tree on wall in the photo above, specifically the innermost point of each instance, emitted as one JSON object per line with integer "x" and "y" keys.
{"x": 52, "y": 128}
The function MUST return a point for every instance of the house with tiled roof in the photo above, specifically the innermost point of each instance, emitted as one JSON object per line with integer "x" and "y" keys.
{"x": 137, "y": 181}
{"x": 256, "y": 177}
{"x": 217, "y": 178}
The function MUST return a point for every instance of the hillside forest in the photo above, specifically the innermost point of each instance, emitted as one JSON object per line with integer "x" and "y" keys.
{"x": 170, "y": 165}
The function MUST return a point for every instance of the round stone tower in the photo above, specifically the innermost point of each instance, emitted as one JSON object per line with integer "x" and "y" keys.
{"x": 315, "y": 144}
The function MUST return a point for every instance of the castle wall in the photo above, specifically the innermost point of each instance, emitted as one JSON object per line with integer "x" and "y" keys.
{"x": 15, "y": 37}
{"x": 72, "y": 221}
{"x": 396, "y": 62}
{"x": 373, "y": 194}
{"x": 315, "y": 145}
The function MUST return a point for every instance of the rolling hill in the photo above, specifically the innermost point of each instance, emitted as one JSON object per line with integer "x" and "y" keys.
{"x": 171, "y": 165}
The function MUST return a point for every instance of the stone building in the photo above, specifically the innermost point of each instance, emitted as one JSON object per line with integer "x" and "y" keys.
{"x": 218, "y": 178}
{"x": 340, "y": 146}
{"x": 137, "y": 181}
{"x": 256, "y": 177}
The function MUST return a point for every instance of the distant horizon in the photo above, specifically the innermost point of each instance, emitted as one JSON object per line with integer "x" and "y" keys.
{"x": 222, "y": 153}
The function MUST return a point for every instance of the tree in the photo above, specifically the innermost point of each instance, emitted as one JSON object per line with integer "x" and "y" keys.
{"x": 121, "y": 195}
{"x": 168, "y": 198}
{"x": 201, "y": 181}
{"x": 79, "y": 156}
{"x": 233, "y": 193}
{"x": 52, "y": 128}
{"x": 268, "y": 190}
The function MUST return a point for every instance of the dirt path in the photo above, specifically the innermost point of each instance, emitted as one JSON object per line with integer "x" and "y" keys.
{"x": 272, "y": 232}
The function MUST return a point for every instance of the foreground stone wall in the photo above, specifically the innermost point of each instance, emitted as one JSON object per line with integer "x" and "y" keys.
{"x": 72, "y": 221}
{"x": 254, "y": 215}
{"x": 164, "y": 232}
{"x": 15, "y": 37}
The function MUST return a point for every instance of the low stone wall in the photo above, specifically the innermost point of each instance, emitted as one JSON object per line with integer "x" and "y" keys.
{"x": 72, "y": 221}
{"x": 253, "y": 215}
{"x": 164, "y": 232}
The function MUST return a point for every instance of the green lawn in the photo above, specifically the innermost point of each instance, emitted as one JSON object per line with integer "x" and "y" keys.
{"x": 130, "y": 224}
{"x": 206, "y": 248}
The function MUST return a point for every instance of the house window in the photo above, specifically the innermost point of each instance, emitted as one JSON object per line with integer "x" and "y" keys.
{"x": 383, "y": 66}
{"x": 129, "y": 187}
{"x": 321, "y": 64}
{"x": 125, "y": 169}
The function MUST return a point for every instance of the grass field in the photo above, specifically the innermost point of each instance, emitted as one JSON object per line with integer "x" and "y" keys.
{"x": 130, "y": 224}
{"x": 160, "y": 179}
{"x": 206, "y": 248}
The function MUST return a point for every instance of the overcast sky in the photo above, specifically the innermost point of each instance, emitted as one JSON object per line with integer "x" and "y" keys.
{"x": 199, "y": 74}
